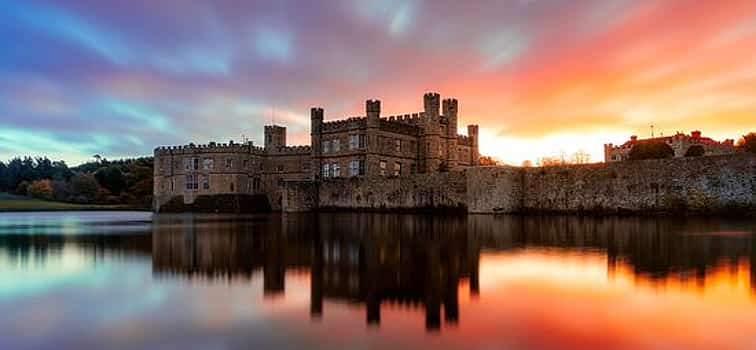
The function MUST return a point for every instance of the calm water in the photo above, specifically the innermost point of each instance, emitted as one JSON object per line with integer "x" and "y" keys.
{"x": 134, "y": 280}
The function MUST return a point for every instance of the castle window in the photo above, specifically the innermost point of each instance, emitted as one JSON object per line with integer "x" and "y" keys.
{"x": 336, "y": 145}
{"x": 191, "y": 164}
{"x": 306, "y": 166}
{"x": 397, "y": 169}
{"x": 354, "y": 167}
{"x": 382, "y": 166}
{"x": 362, "y": 167}
{"x": 256, "y": 184}
{"x": 245, "y": 164}
{"x": 173, "y": 184}
{"x": 335, "y": 170}
{"x": 325, "y": 171}
{"x": 280, "y": 168}
{"x": 232, "y": 187}
{"x": 356, "y": 141}
{"x": 398, "y": 146}
{"x": 206, "y": 182}
{"x": 229, "y": 163}
{"x": 208, "y": 163}
{"x": 326, "y": 146}
{"x": 413, "y": 168}
{"x": 191, "y": 182}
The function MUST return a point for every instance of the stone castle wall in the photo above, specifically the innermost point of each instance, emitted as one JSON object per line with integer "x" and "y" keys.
{"x": 418, "y": 192}
{"x": 700, "y": 184}
{"x": 715, "y": 184}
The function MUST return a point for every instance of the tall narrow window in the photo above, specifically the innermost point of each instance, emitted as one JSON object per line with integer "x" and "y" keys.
{"x": 208, "y": 163}
{"x": 206, "y": 182}
{"x": 354, "y": 167}
{"x": 336, "y": 145}
{"x": 336, "y": 170}
{"x": 326, "y": 146}
{"x": 382, "y": 166}
{"x": 326, "y": 167}
{"x": 397, "y": 169}
{"x": 354, "y": 141}
{"x": 191, "y": 182}
{"x": 398, "y": 146}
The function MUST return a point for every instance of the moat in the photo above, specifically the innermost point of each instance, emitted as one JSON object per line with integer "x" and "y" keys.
{"x": 362, "y": 280}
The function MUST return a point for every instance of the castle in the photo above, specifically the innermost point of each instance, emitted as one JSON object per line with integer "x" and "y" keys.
{"x": 682, "y": 144}
{"x": 203, "y": 177}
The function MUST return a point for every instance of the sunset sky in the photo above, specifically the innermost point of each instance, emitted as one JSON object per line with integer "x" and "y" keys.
{"x": 118, "y": 78}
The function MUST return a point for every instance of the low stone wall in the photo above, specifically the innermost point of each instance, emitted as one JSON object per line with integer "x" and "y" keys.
{"x": 418, "y": 192}
{"x": 700, "y": 185}
{"x": 712, "y": 184}
{"x": 494, "y": 189}
{"x": 300, "y": 196}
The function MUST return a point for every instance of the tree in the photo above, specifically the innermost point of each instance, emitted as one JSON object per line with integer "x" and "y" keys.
{"x": 551, "y": 161}
{"x": 651, "y": 150}
{"x": 40, "y": 189}
{"x": 112, "y": 179}
{"x": 4, "y": 177}
{"x": 581, "y": 157}
{"x": 84, "y": 187}
{"x": 695, "y": 151}
{"x": 748, "y": 142}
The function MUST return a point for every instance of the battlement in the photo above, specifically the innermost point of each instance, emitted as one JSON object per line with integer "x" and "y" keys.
{"x": 464, "y": 140}
{"x": 411, "y": 119}
{"x": 344, "y": 124}
{"x": 392, "y": 125}
{"x": 373, "y": 106}
{"x": 297, "y": 150}
{"x": 211, "y": 147}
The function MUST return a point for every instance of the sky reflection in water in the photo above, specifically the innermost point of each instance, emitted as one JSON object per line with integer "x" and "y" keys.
{"x": 115, "y": 280}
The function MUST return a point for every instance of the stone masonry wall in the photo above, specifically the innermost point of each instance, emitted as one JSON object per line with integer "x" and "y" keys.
{"x": 494, "y": 189}
{"x": 423, "y": 191}
{"x": 712, "y": 184}
{"x": 700, "y": 184}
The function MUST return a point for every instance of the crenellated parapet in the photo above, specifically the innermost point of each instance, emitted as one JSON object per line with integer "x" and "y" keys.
{"x": 293, "y": 150}
{"x": 392, "y": 125}
{"x": 344, "y": 124}
{"x": 211, "y": 147}
{"x": 411, "y": 118}
{"x": 464, "y": 140}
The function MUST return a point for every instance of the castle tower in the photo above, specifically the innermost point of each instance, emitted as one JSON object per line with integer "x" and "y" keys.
{"x": 449, "y": 109}
{"x": 373, "y": 112}
{"x": 316, "y": 128}
{"x": 275, "y": 137}
{"x": 431, "y": 138}
{"x": 472, "y": 132}
{"x": 608, "y": 152}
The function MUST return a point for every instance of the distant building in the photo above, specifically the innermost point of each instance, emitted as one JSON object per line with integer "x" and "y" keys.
{"x": 365, "y": 146}
{"x": 680, "y": 144}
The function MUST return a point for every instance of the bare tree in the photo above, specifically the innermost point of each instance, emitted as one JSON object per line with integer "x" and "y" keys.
{"x": 580, "y": 157}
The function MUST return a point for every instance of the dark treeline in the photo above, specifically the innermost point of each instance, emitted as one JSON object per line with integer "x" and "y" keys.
{"x": 127, "y": 181}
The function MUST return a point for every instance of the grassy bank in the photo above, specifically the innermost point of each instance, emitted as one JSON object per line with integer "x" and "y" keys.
{"x": 9, "y": 202}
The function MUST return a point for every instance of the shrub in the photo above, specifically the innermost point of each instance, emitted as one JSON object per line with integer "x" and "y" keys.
{"x": 40, "y": 189}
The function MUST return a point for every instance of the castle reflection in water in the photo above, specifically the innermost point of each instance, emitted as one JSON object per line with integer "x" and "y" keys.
{"x": 420, "y": 261}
